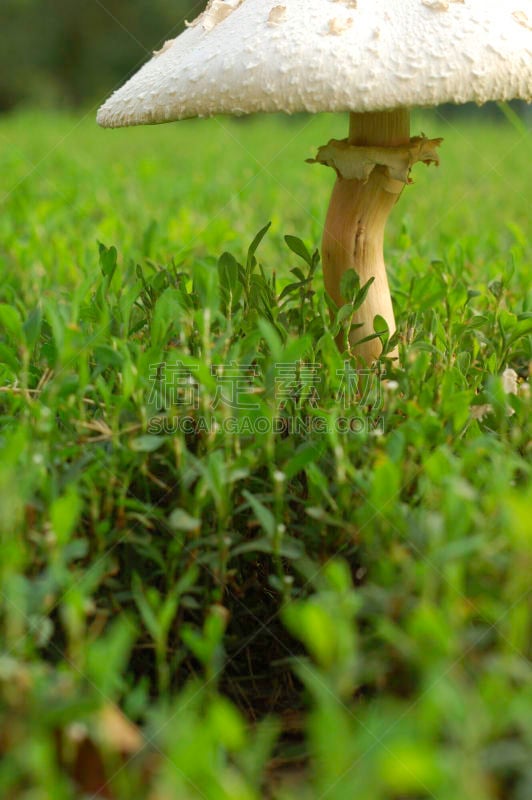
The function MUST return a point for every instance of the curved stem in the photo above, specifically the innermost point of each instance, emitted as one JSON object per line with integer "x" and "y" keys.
{"x": 354, "y": 230}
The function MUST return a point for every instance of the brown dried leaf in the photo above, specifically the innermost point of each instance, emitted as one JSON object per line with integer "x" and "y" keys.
{"x": 117, "y": 732}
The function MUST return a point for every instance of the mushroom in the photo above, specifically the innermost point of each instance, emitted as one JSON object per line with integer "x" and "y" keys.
{"x": 376, "y": 59}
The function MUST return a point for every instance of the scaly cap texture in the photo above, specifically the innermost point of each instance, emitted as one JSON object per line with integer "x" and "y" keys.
{"x": 243, "y": 56}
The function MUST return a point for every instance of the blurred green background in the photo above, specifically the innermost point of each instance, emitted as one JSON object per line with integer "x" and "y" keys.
{"x": 72, "y": 52}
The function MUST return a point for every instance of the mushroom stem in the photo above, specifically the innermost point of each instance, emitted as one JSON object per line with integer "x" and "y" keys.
{"x": 354, "y": 230}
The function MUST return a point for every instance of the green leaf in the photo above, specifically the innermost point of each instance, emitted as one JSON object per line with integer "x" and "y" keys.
{"x": 11, "y": 322}
{"x": 64, "y": 515}
{"x": 298, "y": 247}
{"x": 180, "y": 520}
{"x": 32, "y": 327}
{"x": 291, "y": 289}
{"x": 106, "y": 357}
{"x": 230, "y": 277}
{"x": 362, "y": 294}
{"x": 254, "y": 246}
{"x": 147, "y": 443}
{"x": 147, "y": 612}
{"x": 343, "y": 313}
{"x": 228, "y": 271}
{"x": 314, "y": 627}
{"x": 349, "y": 285}
{"x": 108, "y": 260}
{"x": 263, "y": 514}
{"x": 9, "y": 357}
{"x": 380, "y": 326}
{"x": 289, "y": 548}
{"x": 108, "y": 655}
{"x": 305, "y": 455}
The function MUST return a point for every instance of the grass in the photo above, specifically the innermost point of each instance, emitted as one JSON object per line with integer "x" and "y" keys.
{"x": 225, "y": 608}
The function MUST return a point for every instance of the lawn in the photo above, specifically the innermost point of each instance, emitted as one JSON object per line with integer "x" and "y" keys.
{"x": 232, "y": 567}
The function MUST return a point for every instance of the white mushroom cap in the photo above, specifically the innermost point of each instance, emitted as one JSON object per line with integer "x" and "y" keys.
{"x": 242, "y": 56}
